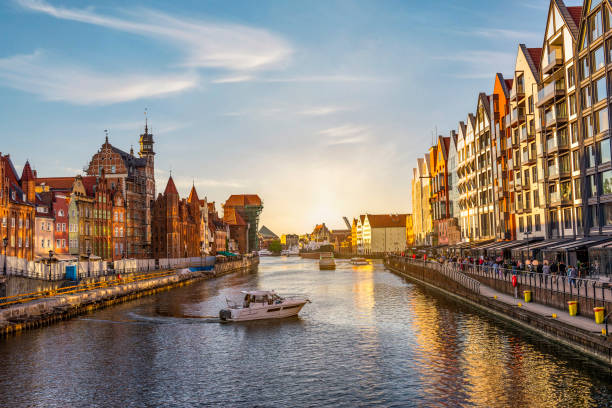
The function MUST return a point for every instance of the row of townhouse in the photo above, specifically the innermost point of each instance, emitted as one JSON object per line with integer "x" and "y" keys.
{"x": 377, "y": 233}
{"x": 111, "y": 212}
{"x": 534, "y": 160}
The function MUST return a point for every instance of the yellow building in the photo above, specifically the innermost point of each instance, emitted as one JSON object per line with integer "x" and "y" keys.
{"x": 384, "y": 233}
{"x": 409, "y": 231}
{"x": 421, "y": 206}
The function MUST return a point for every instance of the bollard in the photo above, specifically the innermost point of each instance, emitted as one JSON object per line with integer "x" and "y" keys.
{"x": 573, "y": 307}
{"x": 527, "y": 295}
{"x": 599, "y": 315}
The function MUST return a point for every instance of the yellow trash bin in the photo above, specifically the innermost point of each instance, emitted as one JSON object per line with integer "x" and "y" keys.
{"x": 573, "y": 307}
{"x": 527, "y": 294}
{"x": 599, "y": 314}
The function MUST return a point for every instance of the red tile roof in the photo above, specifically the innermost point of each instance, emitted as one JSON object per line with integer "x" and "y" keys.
{"x": 387, "y": 220}
{"x": 170, "y": 187}
{"x": 536, "y": 55}
{"x": 193, "y": 195}
{"x": 576, "y": 13}
{"x": 56, "y": 183}
{"x": 241, "y": 200}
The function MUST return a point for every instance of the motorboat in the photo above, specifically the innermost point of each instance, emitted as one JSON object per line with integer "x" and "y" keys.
{"x": 359, "y": 261}
{"x": 326, "y": 261}
{"x": 262, "y": 304}
{"x": 265, "y": 252}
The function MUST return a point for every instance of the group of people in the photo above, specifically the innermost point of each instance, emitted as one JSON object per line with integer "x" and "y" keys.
{"x": 503, "y": 267}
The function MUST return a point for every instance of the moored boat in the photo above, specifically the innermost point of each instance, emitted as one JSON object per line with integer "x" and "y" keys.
{"x": 262, "y": 304}
{"x": 326, "y": 261}
{"x": 359, "y": 261}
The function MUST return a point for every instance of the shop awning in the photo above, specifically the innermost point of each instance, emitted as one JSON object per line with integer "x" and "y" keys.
{"x": 582, "y": 242}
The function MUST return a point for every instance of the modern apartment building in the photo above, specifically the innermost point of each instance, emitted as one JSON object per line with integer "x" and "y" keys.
{"x": 528, "y": 196}
{"x": 558, "y": 134}
{"x": 468, "y": 181}
{"x": 501, "y": 146}
{"x": 421, "y": 206}
{"x": 593, "y": 49}
{"x": 484, "y": 170}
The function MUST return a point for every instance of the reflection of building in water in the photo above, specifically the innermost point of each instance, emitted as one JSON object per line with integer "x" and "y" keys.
{"x": 363, "y": 294}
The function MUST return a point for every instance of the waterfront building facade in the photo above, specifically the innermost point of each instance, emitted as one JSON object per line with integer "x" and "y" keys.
{"x": 593, "y": 58}
{"x": 501, "y": 146}
{"x": 249, "y": 206}
{"x": 557, "y": 106}
{"x": 409, "y": 231}
{"x": 526, "y": 168}
{"x": 135, "y": 177}
{"x": 44, "y": 231}
{"x": 17, "y": 210}
{"x": 485, "y": 209}
{"x": 118, "y": 225}
{"x": 468, "y": 200}
{"x": 384, "y": 233}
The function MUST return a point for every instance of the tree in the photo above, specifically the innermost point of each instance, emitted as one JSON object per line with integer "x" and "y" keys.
{"x": 275, "y": 247}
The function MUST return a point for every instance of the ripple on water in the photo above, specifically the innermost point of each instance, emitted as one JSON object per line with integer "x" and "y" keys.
{"x": 368, "y": 339}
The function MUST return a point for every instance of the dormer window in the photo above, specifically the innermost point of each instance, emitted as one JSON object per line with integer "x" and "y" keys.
{"x": 13, "y": 195}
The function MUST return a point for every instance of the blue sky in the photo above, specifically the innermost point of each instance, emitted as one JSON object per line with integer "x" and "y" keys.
{"x": 320, "y": 107}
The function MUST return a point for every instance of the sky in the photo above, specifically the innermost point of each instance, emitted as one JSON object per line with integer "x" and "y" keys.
{"x": 320, "y": 107}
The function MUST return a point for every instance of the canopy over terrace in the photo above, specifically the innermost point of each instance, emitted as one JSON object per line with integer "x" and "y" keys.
{"x": 482, "y": 250}
{"x": 600, "y": 257}
{"x": 501, "y": 249}
{"x": 573, "y": 251}
{"x": 534, "y": 249}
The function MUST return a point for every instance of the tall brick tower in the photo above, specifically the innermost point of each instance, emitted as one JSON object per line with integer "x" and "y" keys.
{"x": 146, "y": 152}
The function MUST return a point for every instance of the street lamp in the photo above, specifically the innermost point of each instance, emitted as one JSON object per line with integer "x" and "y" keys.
{"x": 50, "y": 257}
{"x": 5, "y": 243}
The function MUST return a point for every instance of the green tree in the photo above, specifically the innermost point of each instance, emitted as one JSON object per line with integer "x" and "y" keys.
{"x": 275, "y": 247}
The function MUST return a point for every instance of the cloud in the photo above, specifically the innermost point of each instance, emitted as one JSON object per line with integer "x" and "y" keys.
{"x": 345, "y": 134}
{"x": 206, "y": 44}
{"x": 322, "y": 110}
{"x": 185, "y": 183}
{"x": 479, "y": 64}
{"x": 325, "y": 78}
{"x": 38, "y": 74}
{"x": 232, "y": 79}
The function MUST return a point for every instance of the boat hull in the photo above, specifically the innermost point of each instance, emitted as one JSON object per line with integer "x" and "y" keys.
{"x": 263, "y": 312}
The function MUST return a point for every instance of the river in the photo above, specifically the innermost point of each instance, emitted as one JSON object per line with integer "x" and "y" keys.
{"x": 369, "y": 338}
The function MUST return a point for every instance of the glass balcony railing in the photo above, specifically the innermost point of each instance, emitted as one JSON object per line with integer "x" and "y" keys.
{"x": 547, "y": 93}
{"x": 553, "y": 171}
{"x": 555, "y": 197}
{"x": 518, "y": 114}
{"x": 555, "y": 58}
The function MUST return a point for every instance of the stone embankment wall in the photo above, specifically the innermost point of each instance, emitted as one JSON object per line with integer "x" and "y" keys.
{"x": 591, "y": 344}
{"x": 44, "y": 311}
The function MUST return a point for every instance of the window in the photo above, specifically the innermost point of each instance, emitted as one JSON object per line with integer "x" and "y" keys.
{"x": 27, "y": 223}
{"x": 584, "y": 68}
{"x": 57, "y": 243}
{"x": 594, "y": 216}
{"x": 42, "y": 243}
{"x": 606, "y": 182}
{"x": 567, "y": 218}
{"x": 536, "y": 198}
{"x": 600, "y": 90}
{"x": 570, "y": 77}
{"x": 4, "y": 222}
{"x": 48, "y": 243}
{"x": 20, "y": 242}
{"x": 599, "y": 60}
{"x": 576, "y": 160}
{"x": 589, "y": 158}
{"x": 592, "y": 183}
{"x": 595, "y": 25}
{"x": 521, "y": 226}
{"x": 572, "y": 104}
{"x": 586, "y": 97}
{"x": 579, "y": 218}
{"x": 601, "y": 121}
{"x": 607, "y": 213}
{"x": 574, "y": 130}
{"x": 13, "y": 222}
{"x": 538, "y": 225}
{"x": 534, "y": 173}
{"x": 577, "y": 189}
{"x": 587, "y": 127}
{"x": 603, "y": 151}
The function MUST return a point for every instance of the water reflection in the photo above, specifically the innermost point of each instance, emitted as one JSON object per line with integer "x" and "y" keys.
{"x": 368, "y": 339}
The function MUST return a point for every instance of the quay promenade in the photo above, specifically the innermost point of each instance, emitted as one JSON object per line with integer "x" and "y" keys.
{"x": 489, "y": 291}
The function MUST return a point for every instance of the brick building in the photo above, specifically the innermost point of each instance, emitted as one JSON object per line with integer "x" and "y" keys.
{"x": 17, "y": 209}
{"x": 238, "y": 227}
{"x": 249, "y": 206}
{"x": 135, "y": 178}
{"x": 175, "y": 225}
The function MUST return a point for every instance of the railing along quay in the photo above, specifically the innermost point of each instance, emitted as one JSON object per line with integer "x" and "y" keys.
{"x": 452, "y": 273}
{"x": 550, "y": 289}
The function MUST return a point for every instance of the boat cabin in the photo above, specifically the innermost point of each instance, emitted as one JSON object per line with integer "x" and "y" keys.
{"x": 260, "y": 296}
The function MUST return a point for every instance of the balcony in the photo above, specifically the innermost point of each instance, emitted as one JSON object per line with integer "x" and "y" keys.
{"x": 529, "y": 158}
{"x": 551, "y": 119}
{"x": 555, "y": 59}
{"x": 526, "y": 184}
{"x": 553, "y": 172}
{"x": 517, "y": 92}
{"x": 549, "y": 92}
{"x": 555, "y": 198}
{"x": 557, "y": 143}
{"x": 517, "y": 116}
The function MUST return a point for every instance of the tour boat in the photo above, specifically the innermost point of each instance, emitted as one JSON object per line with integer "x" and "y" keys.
{"x": 326, "y": 261}
{"x": 359, "y": 261}
{"x": 262, "y": 304}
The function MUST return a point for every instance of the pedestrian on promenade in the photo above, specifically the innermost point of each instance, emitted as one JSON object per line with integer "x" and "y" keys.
{"x": 562, "y": 268}
{"x": 571, "y": 273}
{"x": 554, "y": 268}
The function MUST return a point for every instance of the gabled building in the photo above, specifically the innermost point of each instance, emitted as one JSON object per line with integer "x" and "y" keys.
{"x": 485, "y": 224}
{"x": 249, "y": 206}
{"x": 384, "y": 233}
{"x": 592, "y": 92}
{"x": 558, "y": 130}
{"x": 468, "y": 182}
{"x": 454, "y": 229}
{"x": 525, "y": 169}
{"x": 439, "y": 194}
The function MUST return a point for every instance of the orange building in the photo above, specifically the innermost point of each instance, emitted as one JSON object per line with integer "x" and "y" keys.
{"x": 501, "y": 145}
{"x": 444, "y": 225}
{"x": 17, "y": 209}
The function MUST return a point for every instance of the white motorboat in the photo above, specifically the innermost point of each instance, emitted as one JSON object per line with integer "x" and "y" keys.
{"x": 359, "y": 261}
{"x": 262, "y": 304}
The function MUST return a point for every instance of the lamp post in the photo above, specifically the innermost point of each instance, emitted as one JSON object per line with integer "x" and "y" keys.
{"x": 5, "y": 243}
{"x": 50, "y": 257}
{"x": 88, "y": 262}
